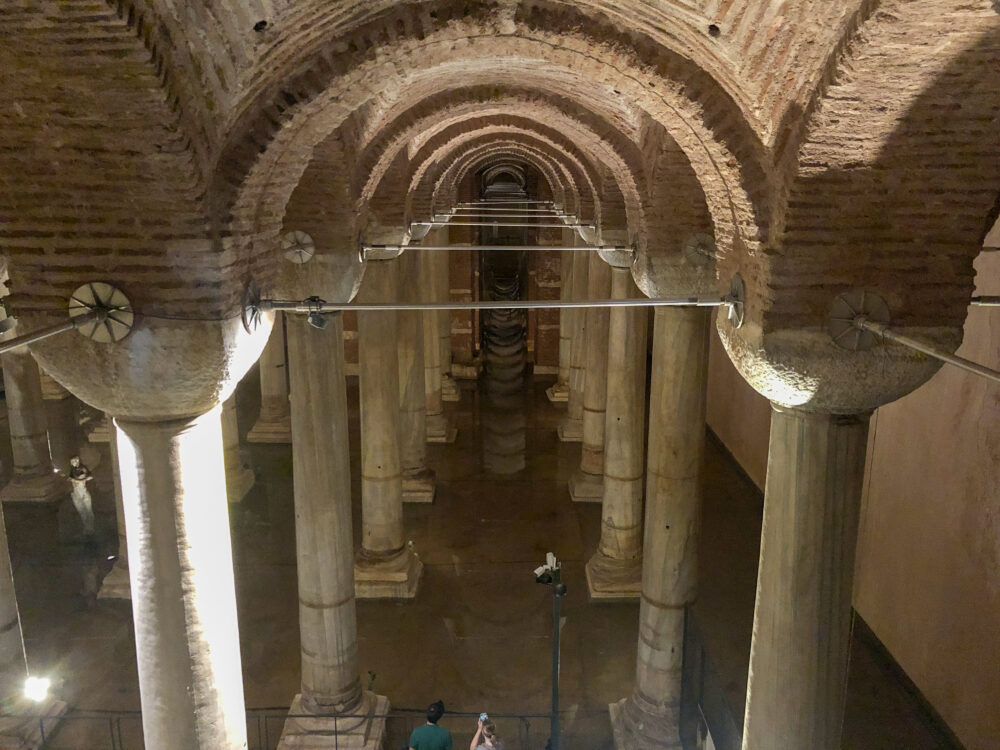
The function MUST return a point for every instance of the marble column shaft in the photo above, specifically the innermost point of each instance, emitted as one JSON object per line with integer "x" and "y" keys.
{"x": 273, "y": 425}
{"x": 418, "y": 480}
{"x": 239, "y": 475}
{"x": 62, "y": 419}
{"x": 383, "y": 555}
{"x": 33, "y": 479}
{"x": 116, "y": 583}
{"x": 571, "y": 429}
{"x": 614, "y": 572}
{"x": 801, "y": 632}
{"x": 587, "y": 484}
{"x": 183, "y": 593}
{"x": 559, "y": 391}
{"x": 650, "y": 718}
{"x": 439, "y": 430}
{"x": 441, "y": 273}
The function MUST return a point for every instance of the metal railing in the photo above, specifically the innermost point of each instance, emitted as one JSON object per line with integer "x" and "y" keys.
{"x": 704, "y": 705}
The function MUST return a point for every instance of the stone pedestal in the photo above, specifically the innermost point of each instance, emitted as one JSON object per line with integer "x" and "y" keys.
{"x": 614, "y": 572}
{"x": 273, "y": 425}
{"x": 558, "y": 392}
{"x": 418, "y": 480}
{"x": 116, "y": 583}
{"x": 385, "y": 566}
{"x": 801, "y": 633}
{"x": 587, "y": 483}
{"x": 183, "y": 594}
{"x": 239, "y": 476}
{"x": 571, "y": 428}
{"x": 325, "y": 551}
{"x": 650, "y": 718}
{"x": 34, "y": 479}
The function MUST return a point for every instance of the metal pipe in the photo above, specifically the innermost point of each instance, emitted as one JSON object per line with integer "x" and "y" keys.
{"x": 492, "y": 217}
{"x": 500, "y": 248}
{"x": 500, "y": 208}
{"x": 985, "y": 301}
{"x": 502, "y": 200}
{"x": 500, "y": 224}
{"x": 882, "y": 330}
{"x": 44, "y": 333}
{"x": 320, "y": 306}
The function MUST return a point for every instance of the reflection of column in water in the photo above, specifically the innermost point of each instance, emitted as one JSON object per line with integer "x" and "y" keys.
{"x": 505, "y": 347}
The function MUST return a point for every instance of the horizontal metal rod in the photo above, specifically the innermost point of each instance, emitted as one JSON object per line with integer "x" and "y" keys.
{"x": 488, "y": 209}
{"x": 883, "y": 331}
{"x": 986, "y": 301}
{"x": 305, "y": 306}
{"x": 493, "y": 217}
{"x": 503, "y": 200}
{"x": 499, "y": 224}
{"x": 501, "y": 248}
{"x": 44, "y": 333}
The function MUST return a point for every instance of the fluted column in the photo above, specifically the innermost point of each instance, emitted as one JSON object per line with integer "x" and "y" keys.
{"x": 273, "y": 425}
{"x": 34, "y": 479}
{"x": 385, "y": 567}
{"x": 324, "y": 550}
{"x": 650, "y": 718}
{"x": 559, "y": 391}
{"x": 439, "y": 429}
{"x": 116, "y": 583}
{"x": 614, "y": 572}
{"x": 801, "y": 632}
{"x": 571, "y": 428}
{"x": 418, "y": 480}
{"x": 587, "y": 483}
{"x": 183, "y": 594}
{"x": 239, "y": 475}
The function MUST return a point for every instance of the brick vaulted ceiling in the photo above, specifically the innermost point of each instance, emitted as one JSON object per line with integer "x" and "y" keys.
{"x": 825, "y": 144}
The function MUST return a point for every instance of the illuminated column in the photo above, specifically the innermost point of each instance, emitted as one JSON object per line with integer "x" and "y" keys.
{"x": 183, "y": 595}
{"x": 571, "y": 429}
{"x": 385, "y": 567}
{"x": 273, "y": 425}
{"x": 116, "y": 583}
{"x": 614, "y": 572}
{"x": 418, "y": 480}
{"x": 650, "y": 718}
{"x": 559, "y": 392}
{"x": 63, "y": 421}
{"x": 801, "y": 633}
{"x": 239, "y": 475}
{"x": 587, "y": 483}
{"x": 34, "y": 480}
{"x": 442, "y": 293}
{"x": 439, "y": 430}
{"x": 324, "y": 549}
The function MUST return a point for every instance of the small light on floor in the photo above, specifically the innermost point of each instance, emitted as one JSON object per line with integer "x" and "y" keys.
{"x": 37, "y": 688}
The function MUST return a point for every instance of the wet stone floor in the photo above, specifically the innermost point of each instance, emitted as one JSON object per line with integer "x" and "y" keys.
{"x": 479, "y": 634}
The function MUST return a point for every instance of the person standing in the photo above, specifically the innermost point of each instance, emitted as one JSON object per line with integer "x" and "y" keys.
{"x": 487, "y": 733}
{"x": 79, "y": 475}
{"x": 430, "y": 736}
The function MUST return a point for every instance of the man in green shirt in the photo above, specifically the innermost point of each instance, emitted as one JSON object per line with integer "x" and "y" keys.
{"x": 430, "y": 736}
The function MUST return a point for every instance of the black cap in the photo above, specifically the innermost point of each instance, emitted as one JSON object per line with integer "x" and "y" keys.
{"x": 435, "y": 711}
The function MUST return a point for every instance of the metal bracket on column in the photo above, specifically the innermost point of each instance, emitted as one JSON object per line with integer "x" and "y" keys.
{"x": 737, "y": 300}
{"x": 844, "y": 313}
{"x": 298, "y": 246}
{"x": 101, "y": 312}
{"x": 700, "y": 249}
{"x": 617, "y": 257}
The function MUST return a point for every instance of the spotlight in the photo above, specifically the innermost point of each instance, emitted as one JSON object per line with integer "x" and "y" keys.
{"x": 317, "y": 320}
{"x": 37, "y": 688}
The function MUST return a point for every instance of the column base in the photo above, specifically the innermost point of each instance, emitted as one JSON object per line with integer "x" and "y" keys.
{"x": 271, "y": 430}
{"x": 558, "y": 393}
{"x": 48, "y": 488}
{"x": 418, "y": 487}
{"x": 397, "y": 577}
{"x": 571, "y": 430}
{"x": 20, "y": 733}
{"x": 610, "y": 580}
{"x": 364, "y": 730}
{"x": 637, "y": 725}
{"x": 466, "y": 370}
{"x": 449, "y": 389}
{"x": 116, "y": 584}
{"x": 586, "y": 488}
{"x": 440, "y": 430}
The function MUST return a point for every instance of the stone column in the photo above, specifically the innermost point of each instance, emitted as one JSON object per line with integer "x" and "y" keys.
{"x": 116, "y": 583}
{"x": 239, "y": 475}
{"x": 571, "y": 429}
{"x": 324, "y": 546}
{"x": 385, "y": 567}
{"x": 614, "y": 572}
{"x": 801, "y": 632}
{"x": 62, "y": 417}
{"x": 16, "y": 731}
{"x": 442, "y": 293}
{"x": 559, "y": 392}
{"x": 34, "y": 479}
{"x": 439, "y": 430}
{"x": 418, "y": 480}
{"x": 650, "y": 718}
{"x": 273, "y": 425}
{"x": 183, "y": 595}
{"x": 587, "y": 483}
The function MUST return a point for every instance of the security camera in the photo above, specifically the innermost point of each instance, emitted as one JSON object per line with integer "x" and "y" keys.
{"x": 540, "y": 570}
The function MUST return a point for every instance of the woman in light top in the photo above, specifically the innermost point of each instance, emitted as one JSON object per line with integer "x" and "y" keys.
{"x": 486, "y": 737}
